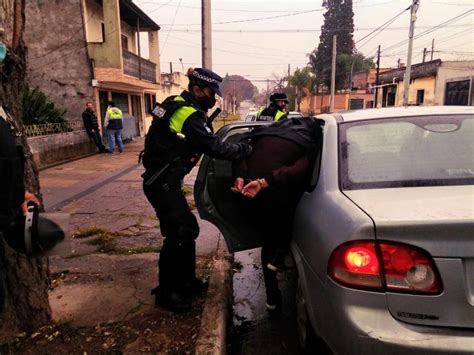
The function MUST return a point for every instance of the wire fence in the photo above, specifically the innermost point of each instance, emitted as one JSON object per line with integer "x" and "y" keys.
{"x": 45, "y": 129}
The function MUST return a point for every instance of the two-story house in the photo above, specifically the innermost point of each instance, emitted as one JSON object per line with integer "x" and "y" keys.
{"x": 89, "y": 50}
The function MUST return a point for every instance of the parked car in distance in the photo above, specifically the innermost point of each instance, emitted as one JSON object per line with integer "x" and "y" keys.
{"x": 383, "y": 237}
{"x": 252, "y": 115}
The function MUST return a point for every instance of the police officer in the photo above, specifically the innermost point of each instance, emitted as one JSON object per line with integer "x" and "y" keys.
{"x": 13, "y": 198}
{"x": 180, "y": 133}
{"x": 276, "y": 110}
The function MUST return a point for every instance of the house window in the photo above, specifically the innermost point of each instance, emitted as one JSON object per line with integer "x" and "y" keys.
{"x": 102, "y": 28}
{"x": 420, "y": 97}
{"x": 124, "y": 42}
{"x": 121, "y": 101}
{"x": 150, "y": 100}
{"x": 356, "y": 104}
{"x": 457, "y": 93}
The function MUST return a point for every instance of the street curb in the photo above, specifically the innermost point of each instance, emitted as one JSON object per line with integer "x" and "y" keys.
{"x": 213, "y": 330}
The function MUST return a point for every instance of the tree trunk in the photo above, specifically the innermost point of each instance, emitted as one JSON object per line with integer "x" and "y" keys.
{"x": 25, "y": 280}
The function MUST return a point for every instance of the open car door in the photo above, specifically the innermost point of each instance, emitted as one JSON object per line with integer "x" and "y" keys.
{"x": 214, "y": 199}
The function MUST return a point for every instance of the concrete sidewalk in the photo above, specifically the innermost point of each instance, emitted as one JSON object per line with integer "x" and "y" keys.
{"x": 113, "y": 266}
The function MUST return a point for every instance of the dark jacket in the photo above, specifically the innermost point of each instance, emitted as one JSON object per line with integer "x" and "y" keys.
{"x": 163, "y": 146}
{"x": 89, "y": 118}
{"x": 12, "y": 191}
{"x": 282, "y": 154}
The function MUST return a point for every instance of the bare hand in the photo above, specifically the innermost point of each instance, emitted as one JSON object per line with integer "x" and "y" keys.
{"x": 251, "y": 189}
{"x": 29, "y": 197}
{"x": 238, "y": 185}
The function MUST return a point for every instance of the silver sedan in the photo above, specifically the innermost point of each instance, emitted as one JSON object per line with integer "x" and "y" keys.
{"x": 383, "y": 237}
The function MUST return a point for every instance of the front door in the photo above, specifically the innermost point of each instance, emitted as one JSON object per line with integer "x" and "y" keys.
{"x": 137, "y": 113}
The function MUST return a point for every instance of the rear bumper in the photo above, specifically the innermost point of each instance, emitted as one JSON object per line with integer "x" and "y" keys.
{"x": 354, "y": 321}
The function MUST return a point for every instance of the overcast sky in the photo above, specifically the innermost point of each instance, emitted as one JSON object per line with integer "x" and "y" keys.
{"x": 262, "y": 49}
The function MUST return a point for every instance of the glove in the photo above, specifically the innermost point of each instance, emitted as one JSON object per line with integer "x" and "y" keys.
{"x": 246, "y": 149}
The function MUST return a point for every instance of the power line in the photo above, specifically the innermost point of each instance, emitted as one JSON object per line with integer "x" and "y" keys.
{"x": 295, "y": 30}
{"x": 380, "y": 29}
{"x": 253, "y": 19}
{"x": 432, "y": 29}
{"x": 168, "y": 34}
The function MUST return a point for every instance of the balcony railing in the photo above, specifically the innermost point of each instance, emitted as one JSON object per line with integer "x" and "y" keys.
{"x": 45, "y": 129}
{"x": 146, "y": 70}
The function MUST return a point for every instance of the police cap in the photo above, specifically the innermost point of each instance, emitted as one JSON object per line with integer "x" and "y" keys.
{"x": 278, "y": 97}
{"x": 207, "y": 78}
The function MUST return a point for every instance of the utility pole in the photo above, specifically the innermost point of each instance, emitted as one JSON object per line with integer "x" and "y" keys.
{"x": 424, "y": 54}
{"x": 268, "y": 89}
{"x": 171, "y": 67}
{"x": 206, "y": 29}
{"x": 406, "y": 81}
{"x": 233, "y": 97}
{"x": 333, "y": 72}
{"x": 377, "y": 75}
{"x": 432, "y": 48}
{"x": 398, "y": 62}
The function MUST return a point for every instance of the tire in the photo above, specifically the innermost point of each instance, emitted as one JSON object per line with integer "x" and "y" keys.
{"x": 308, "y": 340}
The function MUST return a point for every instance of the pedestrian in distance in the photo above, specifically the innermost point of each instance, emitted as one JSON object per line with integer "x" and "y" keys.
{"x": 91, "y": 124}
{"x": 276, "y": 110}
{"x": 114, "y": 125}
{"x": 270, "y": 183}
{"x": 180, "y": 133}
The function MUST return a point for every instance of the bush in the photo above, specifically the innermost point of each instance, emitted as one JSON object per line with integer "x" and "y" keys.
{"x": 38, "y": 109}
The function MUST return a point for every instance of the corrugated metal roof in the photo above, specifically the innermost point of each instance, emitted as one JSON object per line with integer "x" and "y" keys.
{"x": 419, "y": 70}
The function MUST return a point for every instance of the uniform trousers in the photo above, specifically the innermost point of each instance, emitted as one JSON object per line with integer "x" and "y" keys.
{"x": 179, "y": 227}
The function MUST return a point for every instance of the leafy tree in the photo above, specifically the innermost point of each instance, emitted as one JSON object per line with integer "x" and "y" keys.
{"x": 344, "y": 62}
{"x": 338, "y": 20}
{"x": 304, "y": 81}
{"x": 244, "y": 89}
{"x": 24, "y": 279}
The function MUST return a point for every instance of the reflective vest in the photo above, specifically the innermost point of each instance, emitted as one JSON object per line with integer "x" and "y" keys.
{"x": 179, "y": 116}
{"x": 276, "y": 117}
{"x": 115, "y": 114}
{"x": 165, "y": 140}
{"x": 115, "y": 118}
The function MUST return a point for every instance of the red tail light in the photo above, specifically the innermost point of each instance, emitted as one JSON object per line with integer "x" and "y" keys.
{"x": 384, "y": 266}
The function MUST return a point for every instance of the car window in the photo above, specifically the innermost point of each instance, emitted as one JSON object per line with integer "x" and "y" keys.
{"x": 415, "y": 151}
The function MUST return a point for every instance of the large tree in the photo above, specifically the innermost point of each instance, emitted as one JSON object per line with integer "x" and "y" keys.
{"x": 238, "y": 86}
{"x": 338, "y": 20}
{"x": 24, "y": 279}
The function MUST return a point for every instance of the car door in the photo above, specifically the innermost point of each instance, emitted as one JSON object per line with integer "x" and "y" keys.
{"x": 214, "y": 199}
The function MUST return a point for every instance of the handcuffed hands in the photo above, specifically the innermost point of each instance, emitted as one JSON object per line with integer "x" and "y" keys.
{"x": 251, "y": 189}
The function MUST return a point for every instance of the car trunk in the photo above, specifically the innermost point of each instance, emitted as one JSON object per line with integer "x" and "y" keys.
{"x": 439, "y": 220}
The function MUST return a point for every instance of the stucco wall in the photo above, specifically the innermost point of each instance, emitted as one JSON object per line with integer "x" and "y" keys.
{"x": 452, "y": 70}
{"x": 427, "y": 84}
{"x": 58, "y": 62}
{"x": 56, "y": 148}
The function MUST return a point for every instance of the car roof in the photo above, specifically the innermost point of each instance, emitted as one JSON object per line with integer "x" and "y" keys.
{"x": 374, "y": 113}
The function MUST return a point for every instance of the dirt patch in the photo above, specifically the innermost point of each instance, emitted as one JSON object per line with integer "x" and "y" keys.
{"x": 162, "y": 331}
{"x": 144, "y": 330}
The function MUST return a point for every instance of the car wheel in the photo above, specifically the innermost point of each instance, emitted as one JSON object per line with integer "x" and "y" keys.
{"x": 308, "y": 340}
{"x": 302, "y": 320}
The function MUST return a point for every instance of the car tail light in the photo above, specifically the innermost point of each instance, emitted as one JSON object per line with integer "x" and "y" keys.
{"x": 384, "y": 266}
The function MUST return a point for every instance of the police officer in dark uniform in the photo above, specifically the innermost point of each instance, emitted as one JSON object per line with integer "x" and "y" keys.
{"x": 179, "y": 135}
{"x": 276, "y": 110}
{"x": 13, "y": 198}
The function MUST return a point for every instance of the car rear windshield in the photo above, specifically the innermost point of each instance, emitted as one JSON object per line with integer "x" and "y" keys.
{"x": 408, "y": 151}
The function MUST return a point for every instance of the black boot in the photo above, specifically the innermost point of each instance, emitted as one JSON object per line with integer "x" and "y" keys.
{"x": 174, "y": 301}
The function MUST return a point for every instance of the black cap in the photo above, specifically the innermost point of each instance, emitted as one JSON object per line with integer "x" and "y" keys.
{"x": 208, "y": 78}
{"x": 278, "y": 96}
